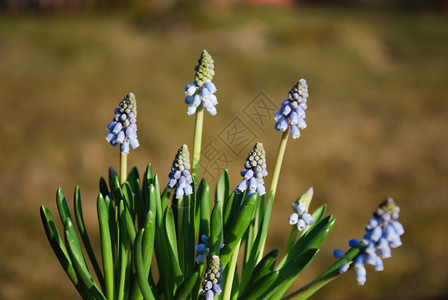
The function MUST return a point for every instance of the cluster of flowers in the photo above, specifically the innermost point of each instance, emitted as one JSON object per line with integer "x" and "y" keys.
{"x": 300, "y": 217}
{"x": 212, "y": 278}
{"x": 180, "y": 177}
{"x": 202, "y": 250}
{"x": 383, "y": 232}
{"x": 123, "y": 128}
{"x": 254, "y": 171}
{"x": 292, "y": 112}
{"x": 202, "y": 89}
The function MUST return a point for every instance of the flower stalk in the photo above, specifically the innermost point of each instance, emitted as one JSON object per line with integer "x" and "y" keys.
{"x": 197, "y": 142}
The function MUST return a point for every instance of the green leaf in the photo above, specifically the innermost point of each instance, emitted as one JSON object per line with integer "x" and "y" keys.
{"x": 106, "y": 246}
{"x": 222, "y": 188}
{"x": 85, "y": 237}
{"x": 112, "y": 176}
{"x": 289, "y": 272}
{"x": 327, "y": 276}
{"x": 216, "y": 230}
{"x": 64, "y": 211}
{"x": 317, "y": 215}
{"x": 186, "y": 287}
{"x": 79, "y": 264}
{"x": 170, "y": 235}
{"x": 264, "y": 267}
{"x": 238, "y": 228}
{"x": 229, "y": 211}
{"x": 254, "y": 291}
{"x": 104, "y": 189}
{"x": 58, "y": 245}
{"x": 139, "y": 207}
{"x": 142, "y": 275}
{"x": 204, "y": 207}
{"x": 124, "y": 250}
{"x": 129, "y": 198}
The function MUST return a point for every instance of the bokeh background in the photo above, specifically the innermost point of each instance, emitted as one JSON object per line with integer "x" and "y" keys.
{"x": 377, "y": 118}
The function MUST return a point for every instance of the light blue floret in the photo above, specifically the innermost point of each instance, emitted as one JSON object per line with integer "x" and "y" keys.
{"x": 254, "y": 172}
{"x": 292, "y": 111}
{"x": 383, "y": 232}
{"x": 300, "y": 217}
{"x": 180, "y": 178}
{"x": 123, "y": 128}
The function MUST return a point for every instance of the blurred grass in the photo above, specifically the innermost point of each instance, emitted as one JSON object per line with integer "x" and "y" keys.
{"x": 377, "y": 124}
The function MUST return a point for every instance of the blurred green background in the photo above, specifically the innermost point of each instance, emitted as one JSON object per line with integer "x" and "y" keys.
{"x": 377, "y": 119}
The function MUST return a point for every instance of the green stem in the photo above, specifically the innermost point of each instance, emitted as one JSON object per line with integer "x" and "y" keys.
{"x": 231, "y": 273}
{"x": 279, "y": 161}
{"x": 274, "y": 183}
{"x": 123, "y": 167}
{"x": 180, "y": 234}
{"x": 197, "y": 142}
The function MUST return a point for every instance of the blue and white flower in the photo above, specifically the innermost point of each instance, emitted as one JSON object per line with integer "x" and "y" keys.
{"x": 202, "y": 89}
{"x": 212, "y": 279}
{"x": 300, "y": 217}
{"x": 383, "y": 232}
{"x": 254, "y": 172}
{"x": 123, "y": 128}
{"x": 180, "y": 177}
{"x": 292, "y": 111}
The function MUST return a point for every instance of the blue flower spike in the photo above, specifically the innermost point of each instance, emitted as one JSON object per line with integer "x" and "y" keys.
{"x": 212, "y": 279}
{"x": 180, "y": 177}
{"x": 202, "y": 250}
{"x": 202, "y": 89}
{"x": 254, "y": 172}
{"x": 292, "y": 111}
{"x": 383, "y": 232}
{"x": 300, "y": 217}
{"x": 123, "y": 128}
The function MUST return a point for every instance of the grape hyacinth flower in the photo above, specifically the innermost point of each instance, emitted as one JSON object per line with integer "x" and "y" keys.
{"x": 254, "y": 171}
{"x": 202, "y": 89}
{"x": 123, "y": 128}
{"x": 383, "y": 232}
{"x": 212, "y": 279}
{"x": 180, "y": 178}
{"x": 292, "y": 111}
{"x": 300, "y": 217}
{"x": 202, "y": 250}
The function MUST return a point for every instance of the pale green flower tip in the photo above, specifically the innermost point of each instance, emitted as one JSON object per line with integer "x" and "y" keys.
{"x": 307, "y": 197}
{"x": 129, "y": 104}
{"x": 299, "y": 91}
{"x": 204, "y": 69}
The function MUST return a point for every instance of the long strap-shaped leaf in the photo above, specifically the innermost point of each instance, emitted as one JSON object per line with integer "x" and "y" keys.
{"x": 142, "y": 276}
{"x": 327, "y": 276}
{"x": 85, "y": 237}
{"x": 238, "y": 228}
{"x": 186, "y": 288}
{"x": 106, "y": 246}
{"x": 79, "y": 263}
{"x": 288, "y": 274}
{"x": 124, "y": 251}
{"x": 58, "y": 246}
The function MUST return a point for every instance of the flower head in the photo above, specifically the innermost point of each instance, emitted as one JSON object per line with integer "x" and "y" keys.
{"x": 202, "y": 89}
{"x": 212, "y": 278}
{"x": 254, "y": 171}
{"x": 300, "y": 217}
{"x": 202, "y": 250}
{"x": 383, "y": 232}
{"x": 292, "y": 112}
{"x": 123, "y": 128}
{"x": 180, "y": 178}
